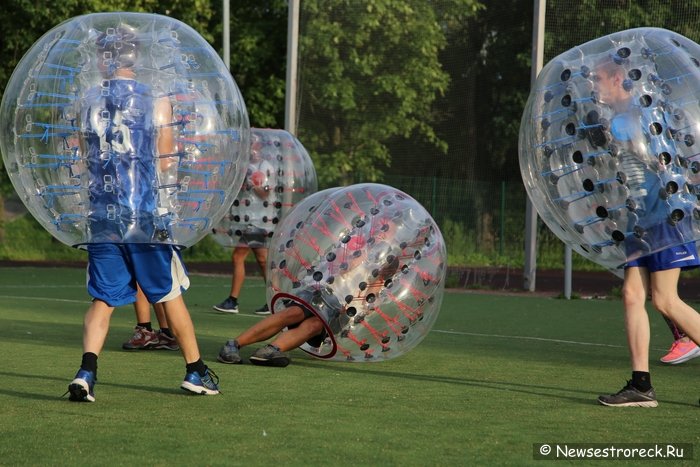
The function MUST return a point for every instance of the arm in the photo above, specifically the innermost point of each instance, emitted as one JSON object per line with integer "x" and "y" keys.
{"x": 166, "y": 138}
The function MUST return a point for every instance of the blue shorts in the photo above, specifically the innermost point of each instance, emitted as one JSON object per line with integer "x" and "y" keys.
{"x": 679, "y": 256}
{"x": 115, "y": 269}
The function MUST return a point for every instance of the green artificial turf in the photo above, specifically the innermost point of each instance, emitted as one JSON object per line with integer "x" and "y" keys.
{"x": 494, "y": 376}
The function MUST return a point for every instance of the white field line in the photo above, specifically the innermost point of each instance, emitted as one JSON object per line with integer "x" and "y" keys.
{"x": 46, "y": 299}
{"x": 542, "y": 339}
{"x": 439, "y": 331}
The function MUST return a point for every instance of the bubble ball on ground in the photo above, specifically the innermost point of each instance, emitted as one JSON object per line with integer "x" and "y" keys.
{"x": 368, "y": 260}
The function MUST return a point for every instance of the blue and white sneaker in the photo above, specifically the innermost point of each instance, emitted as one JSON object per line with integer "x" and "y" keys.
{"x": 81, "y": 389}
{"x": 207, "y": 385}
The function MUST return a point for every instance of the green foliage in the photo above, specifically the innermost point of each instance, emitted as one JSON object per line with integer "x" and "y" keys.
{"x": 463, "y": 249}
{"x": 360, "y": 97}
{"x": 206, "y": 250}
{"x": 258, "y": 59}
{"x": 613, "y": 16}
{"x": 25, "y": 239}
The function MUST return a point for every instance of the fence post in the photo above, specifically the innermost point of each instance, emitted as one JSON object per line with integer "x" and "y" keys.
{"x": 503, "y": 218}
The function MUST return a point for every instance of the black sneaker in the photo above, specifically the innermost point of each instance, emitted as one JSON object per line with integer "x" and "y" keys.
{"x": 229, "y": 353}
{"x": 263, "y": 310}
{"x": 629, "y": 396}
{"x": 269, "y": 356}
{"x": 227, "y": 306}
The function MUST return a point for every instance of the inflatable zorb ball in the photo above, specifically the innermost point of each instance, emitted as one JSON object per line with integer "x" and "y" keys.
{"x": 279, "y": 175}
{"x": 369, "y": 261}
{"x": 124, "y": 128}
{"x": 610, "y": 145}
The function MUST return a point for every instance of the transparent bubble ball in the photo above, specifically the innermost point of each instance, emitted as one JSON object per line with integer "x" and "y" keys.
{"x": 609, "y": 145}
{"x": 124, "y": 128}
{"x": 279, "y": 175}
{"x": 369, "y": 261}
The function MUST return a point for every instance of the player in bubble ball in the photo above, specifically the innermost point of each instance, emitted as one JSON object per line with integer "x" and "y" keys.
{"x": 260, "y": 181}
{"x": 303, "y": 325}
{"x": 127, "y": 138}
{"x": 657, "y": 273}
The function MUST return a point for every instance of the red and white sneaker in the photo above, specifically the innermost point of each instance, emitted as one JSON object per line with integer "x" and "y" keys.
{"x": 142, "y": 339}
{"x": 165, "y": 342}
{"x": 681, "y": 352}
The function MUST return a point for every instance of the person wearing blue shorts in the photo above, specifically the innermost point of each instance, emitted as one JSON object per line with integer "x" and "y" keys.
{"x": 126, "y": 135}
{"x": 656, "y": 273}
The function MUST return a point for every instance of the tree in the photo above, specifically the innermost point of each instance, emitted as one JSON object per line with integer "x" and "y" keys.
{"x": 371, "y": 71}
{"x": 258, "y": 56}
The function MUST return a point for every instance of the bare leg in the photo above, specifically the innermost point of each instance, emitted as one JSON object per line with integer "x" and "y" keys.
{"x": 666, "y": 300}
{"x": 634, "y": 293}
{"x": 261, "y": 258}
{"x": 182, "y": 328}
{"x": 96, "y": 326}
{"x": 295, "y": 337}
{"x": 268, "y": 327}
{"x": 160, "y": 315}
{"x": 142, "y": 307}
{"x": 238, "y": 257}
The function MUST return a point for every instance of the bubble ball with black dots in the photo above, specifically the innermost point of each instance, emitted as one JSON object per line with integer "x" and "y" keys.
{"x": 609, "y": 149}
{"x": 366, "y": 259}
{"x": 279, "y": 175}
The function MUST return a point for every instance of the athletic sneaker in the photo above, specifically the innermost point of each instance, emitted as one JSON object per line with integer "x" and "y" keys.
{"x": 165, "y": 342}
{"x": 227, "y": 306}
{"x": 681, "y": 352}
{"x": 229, "y": 353}
{"x": 207, "y": 385}
{"x": 143, "y": 339}
{"x": 629, "y": 396}
{"x": 263, "y": 310}
{"x": 269, "y": 356}
{"x": 81, "y": 389}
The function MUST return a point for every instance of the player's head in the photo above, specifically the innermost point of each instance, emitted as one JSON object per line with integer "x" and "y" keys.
{"x": 117, "y": 48}
{"x": 609, "y": 78}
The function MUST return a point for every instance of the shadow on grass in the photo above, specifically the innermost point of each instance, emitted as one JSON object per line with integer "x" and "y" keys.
{"x": 65, "y": 381}
{"x": 507, "y": 386}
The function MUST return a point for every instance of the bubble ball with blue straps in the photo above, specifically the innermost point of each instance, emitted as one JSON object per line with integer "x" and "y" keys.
{"x": 610, "y": 145}
{"x": 124, "y": 128}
